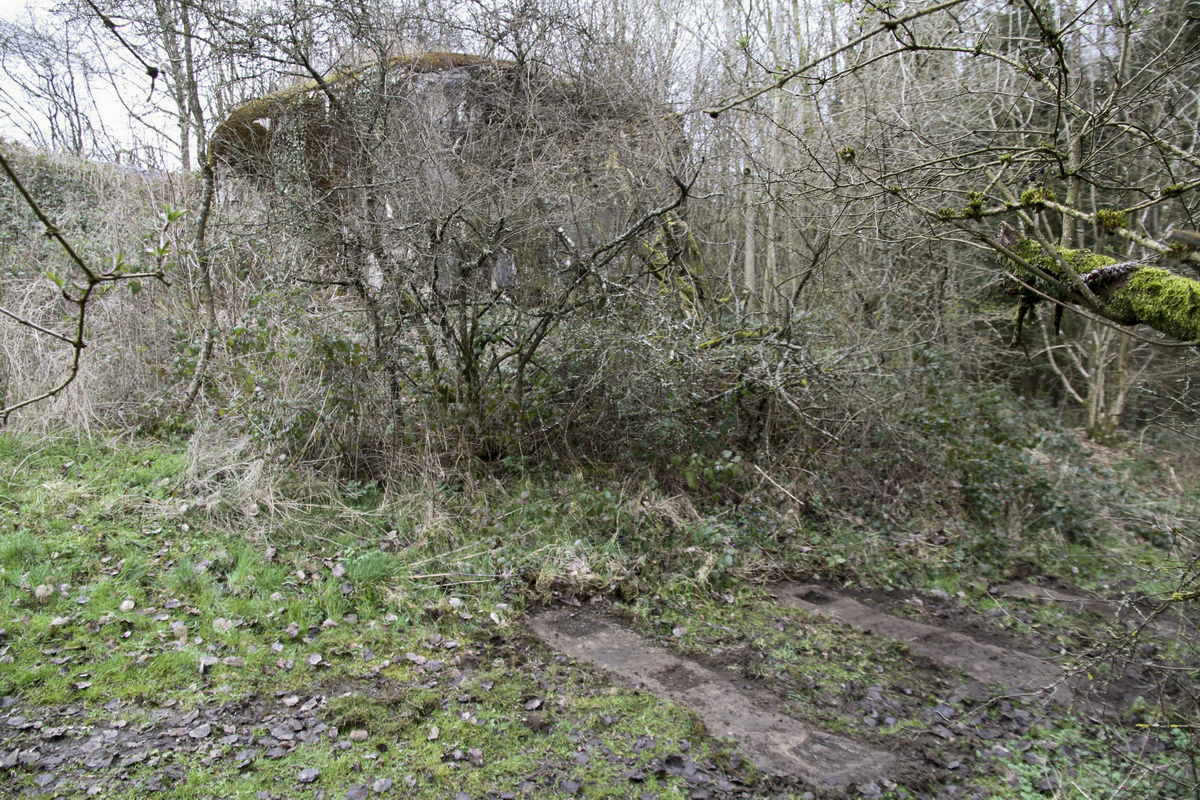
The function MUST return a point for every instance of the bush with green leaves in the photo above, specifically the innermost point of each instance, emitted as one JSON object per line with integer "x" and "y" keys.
{"x": 948, "y": 448}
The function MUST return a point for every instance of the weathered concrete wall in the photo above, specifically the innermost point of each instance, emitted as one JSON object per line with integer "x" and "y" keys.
{"x": 463, "y": 168}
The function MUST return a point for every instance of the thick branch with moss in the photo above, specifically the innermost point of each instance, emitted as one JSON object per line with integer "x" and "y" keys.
{"x": 1132, "y": 292}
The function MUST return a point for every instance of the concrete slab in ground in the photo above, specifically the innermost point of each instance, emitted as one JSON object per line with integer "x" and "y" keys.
{"x": 1163, "y": 620}
{"x": 985, "y": 662}
{"x": 776, "y": 743}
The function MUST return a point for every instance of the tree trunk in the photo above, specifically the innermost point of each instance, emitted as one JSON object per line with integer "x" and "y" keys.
{"x": 204, "y": 267}
{"x": 750, "y": 245}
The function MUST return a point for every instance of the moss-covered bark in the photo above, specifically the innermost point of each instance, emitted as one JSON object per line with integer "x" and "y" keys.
{"x": 1130, "y": 292}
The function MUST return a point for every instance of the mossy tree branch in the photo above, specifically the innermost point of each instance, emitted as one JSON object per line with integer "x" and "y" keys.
{"x": 1131, "y": 292}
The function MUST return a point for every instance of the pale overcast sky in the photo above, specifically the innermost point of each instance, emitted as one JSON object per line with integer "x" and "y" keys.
{"x": 103, "y": 105}
{"x": 14, "y": 9}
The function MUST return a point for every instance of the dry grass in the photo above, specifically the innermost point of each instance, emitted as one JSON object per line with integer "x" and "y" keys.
{"x": 107, "y": 213}
{"x": 676, "y": 511}
{"x": 228, "y": 474}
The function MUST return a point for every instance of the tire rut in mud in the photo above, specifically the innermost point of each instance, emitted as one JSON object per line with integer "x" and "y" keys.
{"x": 777, "y": 744}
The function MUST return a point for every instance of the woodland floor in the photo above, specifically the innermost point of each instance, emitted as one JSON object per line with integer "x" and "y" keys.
{"x": 946, "y": 726}
{"x": 150, "y": 647}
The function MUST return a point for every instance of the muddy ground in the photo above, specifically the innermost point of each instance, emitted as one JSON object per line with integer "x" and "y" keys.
{"x": 978, "y": 699}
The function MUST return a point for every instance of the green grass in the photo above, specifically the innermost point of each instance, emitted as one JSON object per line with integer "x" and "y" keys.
{"x": 116, "y": 584}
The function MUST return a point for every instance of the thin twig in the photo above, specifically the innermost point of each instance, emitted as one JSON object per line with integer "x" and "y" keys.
{"x": 433, "y": 575}
{"x": 885, "y": 26}
{"x": 775, "y": 483}
{"x": 30, "y": 324}
{"x": 51, "y": 229}
{"x": 93, "y": 278}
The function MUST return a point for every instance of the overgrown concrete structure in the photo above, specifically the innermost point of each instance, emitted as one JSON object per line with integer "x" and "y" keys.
{"x": 468, "y": 206}
{"x": 472, "y": 167}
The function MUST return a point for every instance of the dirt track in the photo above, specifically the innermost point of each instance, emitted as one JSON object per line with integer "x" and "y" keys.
{"x": 777, "y": 744}
{"x": 979, "y": 699}
{"x": 987, "y": 663}
{"x": 790, "y": 748}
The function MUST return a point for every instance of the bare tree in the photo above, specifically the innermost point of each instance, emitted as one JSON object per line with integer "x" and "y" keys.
{"x": 941, "y": 120}
{"x": 52, "y": 74}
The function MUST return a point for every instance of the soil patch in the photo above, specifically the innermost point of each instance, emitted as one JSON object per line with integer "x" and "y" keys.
{"x": 985, "y": 662}
{"x": 777, "y": 744}
{"x": 69, "y": 749}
